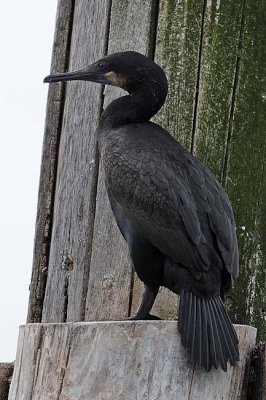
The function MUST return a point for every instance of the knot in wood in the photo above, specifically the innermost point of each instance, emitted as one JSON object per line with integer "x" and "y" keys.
{"x": 107, "y": 283}
{"x": 67, "y": 263}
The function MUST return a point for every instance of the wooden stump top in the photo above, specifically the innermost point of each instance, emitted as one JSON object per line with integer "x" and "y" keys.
{"x": 118, "y": 360}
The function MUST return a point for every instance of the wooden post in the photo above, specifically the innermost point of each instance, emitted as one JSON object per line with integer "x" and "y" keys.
{"x": 256, "y": 379}
{"x": 118, "y": 360}
{"x": 214, "y": 55}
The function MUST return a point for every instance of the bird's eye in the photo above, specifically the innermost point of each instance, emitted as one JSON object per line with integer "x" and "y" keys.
{"x": 103, "y": 65}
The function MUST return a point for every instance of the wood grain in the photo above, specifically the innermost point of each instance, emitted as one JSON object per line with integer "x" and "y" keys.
{"x": 177, "y": 51}
{"x": 110, "y": 272}
{"x": 118, "y": 360}
{"x": 217, "y": 78}
{"x": 52, "y": 132}
{"x": 74, "y": 201}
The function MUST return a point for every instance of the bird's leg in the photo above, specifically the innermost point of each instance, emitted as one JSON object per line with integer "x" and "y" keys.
{"x": 146, "y": 304}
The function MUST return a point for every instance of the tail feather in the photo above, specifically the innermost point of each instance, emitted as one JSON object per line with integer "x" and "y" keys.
{"x": 229, "y": 332}
{"x": 187, "y": 307}
{"x": 212, "y": 337}
{"x": 227, "y": 321}
{"x": 206, "y": 359}
{"x": 206, "y": 331}
{"x": 226, "y": 350}
{"x": 217, "y": 342}
{"x": 191, "y": 333}
{"x": 198, "y": 343}
{"x": 182, "y": 314}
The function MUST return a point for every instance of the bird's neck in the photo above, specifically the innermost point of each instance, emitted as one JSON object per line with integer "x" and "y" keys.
{"x": 139, "y": 106}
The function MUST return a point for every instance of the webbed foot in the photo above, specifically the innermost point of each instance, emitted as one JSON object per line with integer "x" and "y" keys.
{"x": 142, "y": 318}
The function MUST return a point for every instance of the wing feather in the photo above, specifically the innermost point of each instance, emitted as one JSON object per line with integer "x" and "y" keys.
{"x": 174, "y": 200}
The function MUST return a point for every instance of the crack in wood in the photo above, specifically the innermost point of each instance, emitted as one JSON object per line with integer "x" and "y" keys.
{"x": 61, "y": 384}
{"x": 131, "y": 293}
{"x": 233, "y": 99}
{"x": 94, "y": 188}
{"x": 49, "y": 174}
{"x": 155, "y": 7}
{"x": 191, "y": 383}
{"x": 37, "y": 357}
{"x": 196, "y": 98}
{"x": 65, "y": 305}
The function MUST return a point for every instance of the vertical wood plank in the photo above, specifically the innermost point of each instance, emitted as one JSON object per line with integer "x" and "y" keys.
{"x": 110, "y": 272}
{"x": 255, "y": 385}
{"x": 217, "y": 78}
{"x": 74, "y": 202}
{"x": 177, "y": 51}
{"x": 52, "y": 360}
{"x": 53, "y": 122}
{"x": 246, "y": 182}
{"x": 26, "y": 359}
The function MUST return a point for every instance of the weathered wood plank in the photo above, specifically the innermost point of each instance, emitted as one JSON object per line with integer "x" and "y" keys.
{"x": 118, "y": 360}
{"x": 53, "y": 122}
{"x": 27, "y": 356}
{"x": 217, "y": 81}
{"x": 110, "y": 272}
{"x": 52, "y": 360}
{"x": 177, "y": 51}
{"x": 74, "y": 201}
{"x": 256, "y": 378}
{"x": 246, "y": 181}
{"x": 6, "y": 371}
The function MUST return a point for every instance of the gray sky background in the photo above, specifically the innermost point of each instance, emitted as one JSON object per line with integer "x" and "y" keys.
{"x": 26, "y": 36}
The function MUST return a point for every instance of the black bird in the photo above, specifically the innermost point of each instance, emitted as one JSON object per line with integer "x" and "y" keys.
{"x": 173, "y": 213}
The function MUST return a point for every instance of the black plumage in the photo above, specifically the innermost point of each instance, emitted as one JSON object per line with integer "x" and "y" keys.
{"x": 171, "y": 210}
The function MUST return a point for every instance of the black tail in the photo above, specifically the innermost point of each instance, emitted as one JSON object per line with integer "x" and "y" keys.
{"x": 206, "y": 331}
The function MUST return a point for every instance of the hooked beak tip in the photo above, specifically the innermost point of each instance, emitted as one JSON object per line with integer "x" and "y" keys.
{"x": 46, "y": 79}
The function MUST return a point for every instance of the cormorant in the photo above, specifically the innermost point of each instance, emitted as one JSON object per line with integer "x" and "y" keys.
{"x": 173, "y": 213}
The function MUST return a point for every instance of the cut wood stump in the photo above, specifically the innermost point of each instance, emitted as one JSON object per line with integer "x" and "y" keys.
{"x": 118, "y": 360}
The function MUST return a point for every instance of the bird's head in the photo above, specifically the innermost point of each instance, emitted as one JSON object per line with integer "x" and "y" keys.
{"x": 128, "y": 70}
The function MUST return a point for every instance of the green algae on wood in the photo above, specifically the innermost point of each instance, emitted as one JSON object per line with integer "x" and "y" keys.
{"x": 177, "y": 51}
{"x": 246, "y": 183}
{"x": 220, "y": 42}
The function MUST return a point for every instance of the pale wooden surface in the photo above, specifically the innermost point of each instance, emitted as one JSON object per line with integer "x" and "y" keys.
{"x": 77, "y": 171}
{"x": 117, "y": 360}
{"x": 53, "y": 125}
{"x": 6, "y": 370}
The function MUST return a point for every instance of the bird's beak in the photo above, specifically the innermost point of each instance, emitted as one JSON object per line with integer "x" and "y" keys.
{"x": 87, "y": 74}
